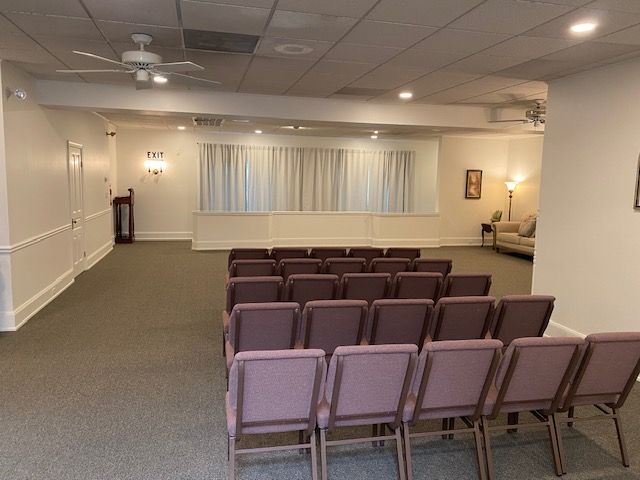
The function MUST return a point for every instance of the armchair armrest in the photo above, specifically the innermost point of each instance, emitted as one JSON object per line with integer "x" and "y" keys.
{"x": 506, "y": 227}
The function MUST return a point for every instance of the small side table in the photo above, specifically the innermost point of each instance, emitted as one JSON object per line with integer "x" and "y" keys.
{"x": 487, "y": 228}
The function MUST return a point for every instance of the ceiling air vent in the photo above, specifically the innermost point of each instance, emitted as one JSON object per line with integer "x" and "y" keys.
{"x": 208, "y": 121}
{"x": 220, "y": 41}
{"x": 361, "y": 92}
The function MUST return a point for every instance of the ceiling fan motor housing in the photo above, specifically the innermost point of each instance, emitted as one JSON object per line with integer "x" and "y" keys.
{"x": 141, "y": 59}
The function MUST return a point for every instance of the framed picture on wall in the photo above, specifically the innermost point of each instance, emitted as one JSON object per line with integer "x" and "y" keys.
{"x": 636, "y": 205}
{"x": 474, "y": 184}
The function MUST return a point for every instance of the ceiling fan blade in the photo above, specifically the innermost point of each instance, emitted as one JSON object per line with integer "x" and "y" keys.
{"x": 521, "y": 120}
{"x": 104, "y": 59}
{"x": 193, "y": 78}
{"x": 171, "y": 67}
{"x": 95, "y": 71}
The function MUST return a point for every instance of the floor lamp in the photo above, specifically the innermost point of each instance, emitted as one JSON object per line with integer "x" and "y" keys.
{"x": 511, "y": 186}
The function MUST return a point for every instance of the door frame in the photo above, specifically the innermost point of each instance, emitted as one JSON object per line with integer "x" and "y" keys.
{"x": 83, "y": 263}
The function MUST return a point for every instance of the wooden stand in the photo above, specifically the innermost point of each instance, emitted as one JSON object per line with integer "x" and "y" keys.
{"x": 126, "y": 204}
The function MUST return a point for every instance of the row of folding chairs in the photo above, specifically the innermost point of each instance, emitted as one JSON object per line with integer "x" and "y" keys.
{"x": 322, "y": 253}
{"x": 336, "y": 266}
{"x": 329, "y": 324}
{"x": 397, "y": 388}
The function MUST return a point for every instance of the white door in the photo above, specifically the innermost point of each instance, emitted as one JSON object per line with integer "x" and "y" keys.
{"x": 77, "y": 210}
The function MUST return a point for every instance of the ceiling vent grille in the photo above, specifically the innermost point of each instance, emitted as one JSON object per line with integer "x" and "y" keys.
{"x": 208, "y": 121}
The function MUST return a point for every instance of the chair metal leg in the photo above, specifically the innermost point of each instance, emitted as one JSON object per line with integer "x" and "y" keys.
{"x": 557, "y": 426}
{"x": 407, "y": 451}
{"x": 401, "y": 469}
{"x": 452, "y": 426}
{"x": 512, "y": 419}
{"x": 487, "y": 447}
{"x": 479, "y": 454}
{"x": 374, "y": 433}
{"x": 383, "y": 432}
{"x": 557, "y": 463}
{"x": 232, "y": 457}
{"x": 323, "y": 454}
{"x": 314, "y": 456}
{"x": 445, "y": 426}
{"x": 621, "y": 440}
{"x": 570, "y": 413}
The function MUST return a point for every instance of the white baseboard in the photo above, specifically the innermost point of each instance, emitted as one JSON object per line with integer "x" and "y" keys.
{"x": 99, "y": 254}
{"x": 320, "y": 242}
{"x": 13, "y": 320}
{"x": 463, "y": 241}
{"x": 159, "y": 236}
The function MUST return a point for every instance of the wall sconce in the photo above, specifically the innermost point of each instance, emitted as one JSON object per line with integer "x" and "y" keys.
{"x": 511, "y": 186}
{"x": 155, "y": 166}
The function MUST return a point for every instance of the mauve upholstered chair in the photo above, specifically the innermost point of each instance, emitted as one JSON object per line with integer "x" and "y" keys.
{"x": 607, "y": 373}
{"x": 327, "y": 324}
{"x": 251, "y": 268}
{"x": 368, "y": 253}
{"x": 532, "y": 377}
{"x": 462, "y": 318}
{"x": 410, "y": 253}
{"x": 262, "y": 326}
{"x": 399, "y": 321}
{"x": 340, "y": 266}
{"x": 274, "y": 391}
{"x": 247, "y": 254}
{"x": 440, "y": 265}
{"x": 281, "y": 253}
{"x": 452, "y": 380}
{"x": 327, "y": 252}
{"x": 518, "y": 316}
{"x": 366, "y": 385}
{"x": 466, "y": 284}
{"x": 292, "y": 266}
{"x": 303, "y": 288}
{"x": 417, "y": 285}
{"x": 249, "y": 290}
{"x": 365, "y": 286}
{"x": 389, "y": 265}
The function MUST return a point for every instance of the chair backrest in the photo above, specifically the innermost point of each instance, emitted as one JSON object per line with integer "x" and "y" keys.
{"x": 466, "y": 284}
{"x": 417, "y": 285}
{"x": 389, "y": 265}
{"x": 247, "y": 254}
{"x": 340, "y": 266}
{"x": 365, "y": 286}
{"x": 328, "y": 252}
{"x": 280, "y": 253}
{"x": 462, "y": 318}
{"x": 368, "y": 253}
{"x": 534, "y": 372}
{"x": 291, "y": 266}
{"x": 327, "y": 324}
{"x": 264, "y": 326}
{"x": 410, "y": 253}
{"x": 252, "y": 268}
{"x": 518, "y": 316}
{"x": 454, "y": 376}
{"x": 303, "y": 288}
{"x": 609, "y": 368}
{"x": 253, "y": 290}
{"x": 399, "y": 321}
{"x": 276, "y": 390}
{"x": 440, "y": 265}
{"x": 369, "y": 384}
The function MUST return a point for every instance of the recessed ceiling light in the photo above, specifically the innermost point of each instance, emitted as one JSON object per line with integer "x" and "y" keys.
{"x": 160, "y": 79}
{"x": 375, "y": 132}
{"x": 405, "y": 95}
{"x": 238, "y": 120}
{"x": 583, "y": 27}
{"x": 435, "y": 129}
{"x": 258, "y": 132}
{"x": 181, "y": 127}
{"x": 373, "y": 137}
{"x": 293, "y": 49}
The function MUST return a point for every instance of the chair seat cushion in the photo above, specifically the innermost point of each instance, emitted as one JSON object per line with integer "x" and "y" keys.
{"x": 528, "y": 241}
{"x": 509, "y": 237}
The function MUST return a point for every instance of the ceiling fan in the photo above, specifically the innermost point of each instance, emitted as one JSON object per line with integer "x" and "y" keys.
{"x": 534, "y": 115}
{"x": 144, "y": 65}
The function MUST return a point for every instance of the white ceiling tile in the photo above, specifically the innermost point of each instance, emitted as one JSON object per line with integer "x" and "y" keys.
{"x": 244, "y": 3}
{"x": 590, "y": 52}
{"x": 536, "y": 69}
{"x": 308, "y": 26}
{"x": 37, "y": 69}
{"x": 571, "y": 3}
{"x": 223, "y": 18}
{"x": 340, "y": 96}
{"x": 28, "y": 54}
{"x": 327, "y": 77}
{"x": 145, "y": 12}
{"x": 526, "y": 47}
{"x": 460, "y": 42}
{"x": 273, "y": 75}
{"x": 389, "y": 76}
{"x": 631, "y": 6}
{"x": 607, "y": 21}
{"x": 53, "y": 26}
{"x": 484, "y": 85}
{"x": 70, "y": 8}
{"x": 432, "y": 83}
{"x": 267, "y": 47}
{"x": 447, "y": 96}
{"x": 338, "y": 8}
{"x": 387, "y": 34}
{"x": 484, "y": 64}
{"x": 63, "y": 48}
{"x": 415, "y": 57}
{"x": 121, "y": 32}
{"x": 227, "y": 68}
{"x": 509, "y": 16}
{"x": 628, "y": 36}
{"x": 421, "y": 12}
{"x": 353, "y": 52}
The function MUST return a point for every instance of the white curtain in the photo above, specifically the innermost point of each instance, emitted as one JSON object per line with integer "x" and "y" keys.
{"x": 392, "y": 181}
{"x": 222, "y": 180}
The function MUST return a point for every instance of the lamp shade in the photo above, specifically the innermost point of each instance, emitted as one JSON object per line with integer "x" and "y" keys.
{"x": 511, "y": 186}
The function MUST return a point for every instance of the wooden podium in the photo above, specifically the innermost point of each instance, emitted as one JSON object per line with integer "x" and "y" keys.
{"x": 123, "y": 207}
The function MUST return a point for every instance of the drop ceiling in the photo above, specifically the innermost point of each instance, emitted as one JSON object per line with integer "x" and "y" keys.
{"x": 445, "y": 51}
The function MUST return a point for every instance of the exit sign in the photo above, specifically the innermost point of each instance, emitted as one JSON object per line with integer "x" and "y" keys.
{"x": 155, "y": 155}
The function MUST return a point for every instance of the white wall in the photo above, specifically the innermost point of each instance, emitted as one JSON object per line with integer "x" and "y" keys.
{"x": 523, "y": 165}
{"x": 39, "y": 242}
{"x": 589, "y": 234}
{"x": 164, "y": 203}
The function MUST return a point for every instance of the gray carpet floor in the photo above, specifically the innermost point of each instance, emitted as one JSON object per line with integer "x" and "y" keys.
{"x": 121, "y": 377}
